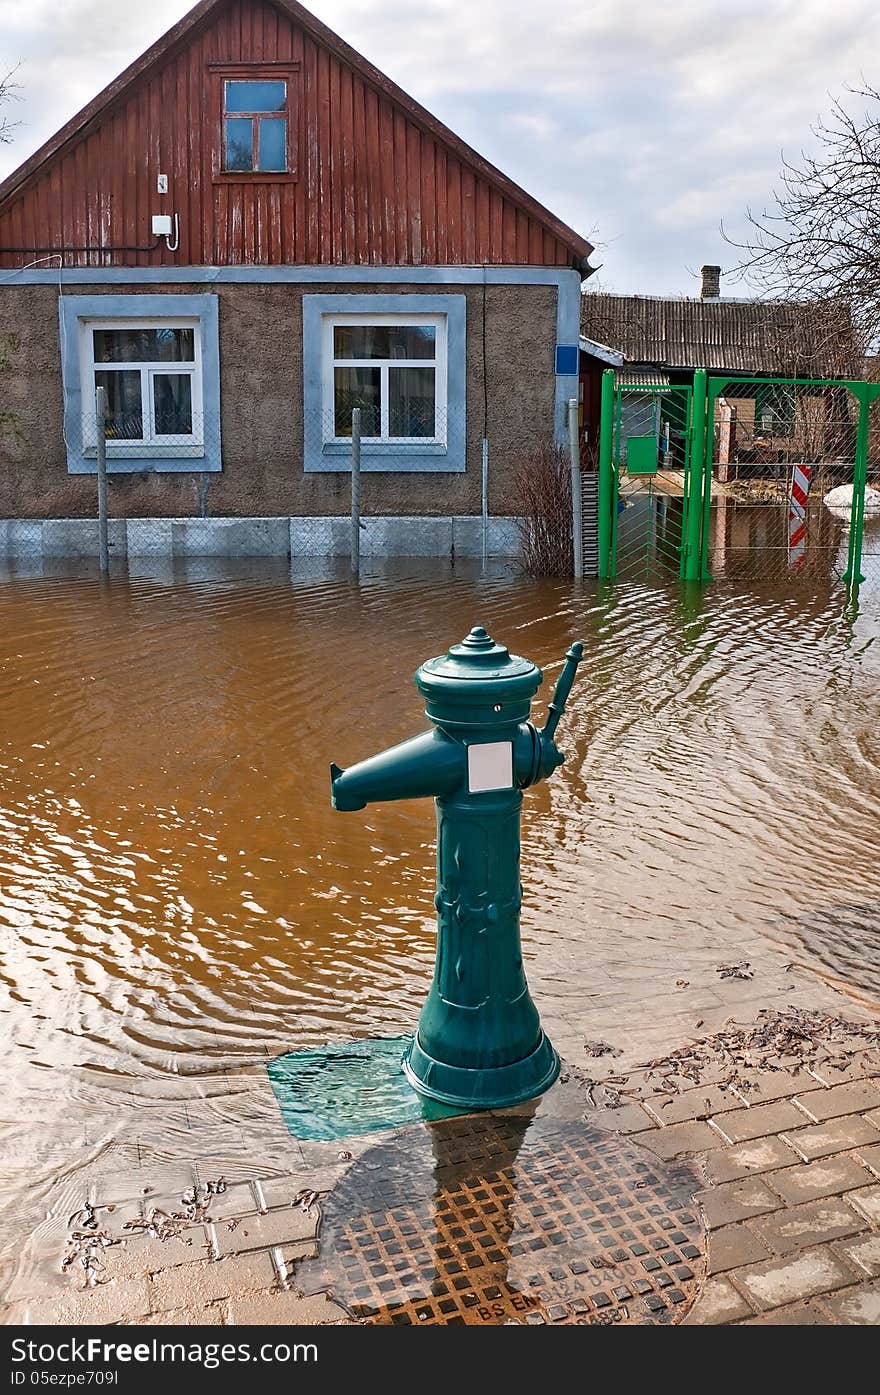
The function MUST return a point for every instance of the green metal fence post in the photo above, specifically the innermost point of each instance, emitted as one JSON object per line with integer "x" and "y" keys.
{"x": 606, "y": 468}
{"x": 853, "y": 575}
{"x": 616, "y": 466}
{"x": 693, "y": 521}
{"x": 686, "y": 484}
{"x": 706, "y": 475}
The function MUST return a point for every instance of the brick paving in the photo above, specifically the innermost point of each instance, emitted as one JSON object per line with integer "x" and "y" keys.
{"x": 791, "y": 1205}
{"x": 793, "y": 1209}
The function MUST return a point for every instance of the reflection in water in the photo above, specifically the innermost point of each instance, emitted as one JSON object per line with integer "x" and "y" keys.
{"x": 177, "y": 896}
{"x": 518, "y": 1218}
{"x": 750, "y": 540}
{"x": 847, "y": 938}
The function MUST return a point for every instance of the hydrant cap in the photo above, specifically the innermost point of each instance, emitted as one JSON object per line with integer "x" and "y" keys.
{"x": 477, "y": 672}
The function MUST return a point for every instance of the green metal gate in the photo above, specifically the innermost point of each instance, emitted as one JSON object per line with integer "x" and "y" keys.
{"x": 759, "y": 479}
{"x": 787, "y": 471}
{"x": 650, "y": 490}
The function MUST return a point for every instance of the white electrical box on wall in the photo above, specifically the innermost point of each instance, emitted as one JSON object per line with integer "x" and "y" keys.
{"x": 162, "y": 225}
{"x": 162, "y": 184}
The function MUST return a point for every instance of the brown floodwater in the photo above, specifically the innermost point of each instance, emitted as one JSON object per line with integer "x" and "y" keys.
{"x": 177, "y": 895}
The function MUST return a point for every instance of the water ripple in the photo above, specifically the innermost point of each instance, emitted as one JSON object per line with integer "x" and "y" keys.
{"x": 178, "y": 898}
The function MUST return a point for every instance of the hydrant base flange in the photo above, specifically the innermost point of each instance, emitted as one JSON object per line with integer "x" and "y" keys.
{"x": 494, "y": 1087}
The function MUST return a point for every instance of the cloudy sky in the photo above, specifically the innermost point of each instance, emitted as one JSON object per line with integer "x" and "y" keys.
{"x": 641, "y": 124}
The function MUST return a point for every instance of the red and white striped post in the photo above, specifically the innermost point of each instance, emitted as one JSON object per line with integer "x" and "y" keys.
{"x": 797, "y": 514}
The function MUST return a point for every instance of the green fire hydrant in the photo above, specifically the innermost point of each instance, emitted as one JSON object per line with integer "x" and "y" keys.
{"x": 479, "y": 1043}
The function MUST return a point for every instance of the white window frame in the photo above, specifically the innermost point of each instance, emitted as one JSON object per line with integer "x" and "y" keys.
{"x": 151, "y": 442}
{"x": 330, "y": 363}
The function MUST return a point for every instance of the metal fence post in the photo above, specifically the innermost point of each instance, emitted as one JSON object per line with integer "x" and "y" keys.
{"x": 356, "y": 491}
{"x": 606, "y": 491}
{"x": 484, "y": 496}
{"x": 101, "y": 452}
{"x": 706, "y": 478}
{"x": 693, "y": 522}
{"x": 577, "y": 503}
{"x": 853, "y": 575}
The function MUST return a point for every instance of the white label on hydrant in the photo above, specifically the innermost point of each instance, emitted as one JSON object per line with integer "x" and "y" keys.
{"x": 490, "y": 767}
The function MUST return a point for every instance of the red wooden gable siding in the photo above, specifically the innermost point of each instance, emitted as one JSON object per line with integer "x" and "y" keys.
{"x": 372, "y": 185}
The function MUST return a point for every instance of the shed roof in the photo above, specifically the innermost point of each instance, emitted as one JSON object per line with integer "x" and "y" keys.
{"x": 643, "y": 377}
{"x": 733, "y": 336}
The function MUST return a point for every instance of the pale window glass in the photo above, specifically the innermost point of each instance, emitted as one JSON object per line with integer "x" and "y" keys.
{"x": 147, "y": 402}
{"x": 255, "y": 139}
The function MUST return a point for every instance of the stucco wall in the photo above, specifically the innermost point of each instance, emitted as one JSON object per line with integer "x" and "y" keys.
{"x": 262, "y": 410}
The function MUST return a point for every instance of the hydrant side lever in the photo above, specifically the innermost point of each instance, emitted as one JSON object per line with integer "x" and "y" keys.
{"x": 537, "y": 752}
{"x": 573, "y": 657}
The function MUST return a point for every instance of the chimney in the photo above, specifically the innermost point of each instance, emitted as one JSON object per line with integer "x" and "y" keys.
{"x": 711, "y": 288}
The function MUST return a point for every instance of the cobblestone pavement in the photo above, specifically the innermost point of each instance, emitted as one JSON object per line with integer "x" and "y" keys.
{"x": 792, "y": 1195}
{"x": 790, "y": 1162}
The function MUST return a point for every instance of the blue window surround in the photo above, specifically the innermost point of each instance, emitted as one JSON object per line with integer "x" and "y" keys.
{"x": 567, "y": 283}
{"x": 73, "y": 309}
{"x": 386, "y": 455}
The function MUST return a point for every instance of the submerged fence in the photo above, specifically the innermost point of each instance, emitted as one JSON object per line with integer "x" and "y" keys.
{"x": 787, "y": 482}
{"x": 349, "y": 443}
{"x": 760, "y": 479}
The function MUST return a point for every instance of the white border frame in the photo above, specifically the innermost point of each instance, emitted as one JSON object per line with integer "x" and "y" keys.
{"x": 329, "y": 363}
{"x": 151, "y": 442}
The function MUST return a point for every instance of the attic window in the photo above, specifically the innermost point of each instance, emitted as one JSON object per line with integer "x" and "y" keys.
{"x": 255, "y": 126}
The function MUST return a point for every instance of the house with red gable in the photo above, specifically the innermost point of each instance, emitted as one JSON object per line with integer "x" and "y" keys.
{"x": 249, "y": 233}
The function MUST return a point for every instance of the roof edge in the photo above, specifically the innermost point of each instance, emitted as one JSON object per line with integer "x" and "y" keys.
{"x": 601, "y": 351}
{"x": 643, "y": 297}
{"x": 433, "y": 124}
{"x": 163, "y": 45}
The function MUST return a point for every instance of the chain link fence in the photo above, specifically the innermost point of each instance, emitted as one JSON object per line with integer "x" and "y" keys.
{"x": 768, "y": 480}
{"x": 870, "y": 562}
{"x": 652, "y": 423}
{"x": 358, "y": 438}
{"x": 135, "y": 442}
{"x": 783, "y": 477}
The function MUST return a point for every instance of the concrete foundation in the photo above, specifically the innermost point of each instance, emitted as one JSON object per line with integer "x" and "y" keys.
{"x": 447, "y": 536}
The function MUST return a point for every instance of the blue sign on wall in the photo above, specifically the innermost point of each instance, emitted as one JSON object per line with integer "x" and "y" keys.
{"x": 567, "y": 360}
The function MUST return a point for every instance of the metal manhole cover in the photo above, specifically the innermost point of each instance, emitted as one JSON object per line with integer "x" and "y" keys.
{"x": 488, "y": 1220}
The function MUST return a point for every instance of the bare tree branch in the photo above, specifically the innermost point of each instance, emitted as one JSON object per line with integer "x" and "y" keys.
{"x": 9, "y": 90}
{"x": 819, "y": 239}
